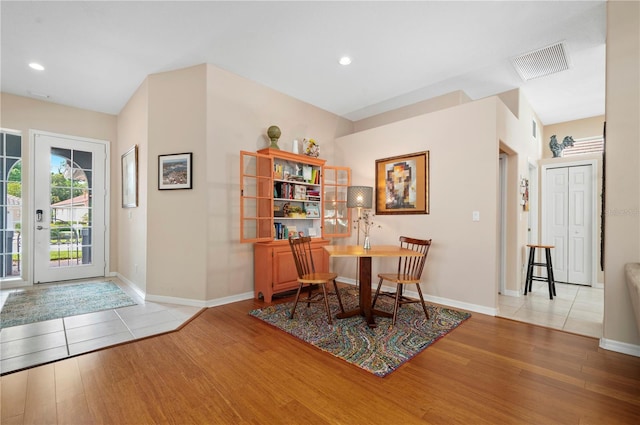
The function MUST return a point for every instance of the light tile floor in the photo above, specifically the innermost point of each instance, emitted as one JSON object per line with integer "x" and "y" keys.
{"x": 36, "y": 343}
{"x": 577, "y": 309}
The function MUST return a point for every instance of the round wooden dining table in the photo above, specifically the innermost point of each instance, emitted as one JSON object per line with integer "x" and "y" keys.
{"x": 364, "y": 258}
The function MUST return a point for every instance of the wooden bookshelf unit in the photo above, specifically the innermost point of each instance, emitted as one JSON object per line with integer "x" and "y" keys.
{"x": 285, "y": 194}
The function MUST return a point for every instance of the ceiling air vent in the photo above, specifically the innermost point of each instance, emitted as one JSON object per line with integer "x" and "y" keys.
{"x": 542, "y": 62}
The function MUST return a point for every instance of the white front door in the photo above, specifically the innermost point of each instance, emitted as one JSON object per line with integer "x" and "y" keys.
{"x": 568, "y": 210}
{"x": 69, "y": 208}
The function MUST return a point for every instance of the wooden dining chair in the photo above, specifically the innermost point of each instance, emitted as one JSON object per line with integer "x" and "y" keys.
{"x": 307, "y": 275}
{"x": 409, "y": 272}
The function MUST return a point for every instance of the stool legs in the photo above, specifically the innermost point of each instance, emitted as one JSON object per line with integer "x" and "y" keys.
{"x": 550, "y": 280}
{"x": 528, "y": 284}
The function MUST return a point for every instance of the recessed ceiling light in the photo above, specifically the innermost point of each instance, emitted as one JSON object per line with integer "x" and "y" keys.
{"x": 345, "y": 60}
{"x": 36, "y": 66}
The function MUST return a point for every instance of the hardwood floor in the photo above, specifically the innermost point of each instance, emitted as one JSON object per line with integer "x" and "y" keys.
{"x": 226, "y": 367}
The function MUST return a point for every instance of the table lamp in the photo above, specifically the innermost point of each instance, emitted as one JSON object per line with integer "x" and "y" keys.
{"x": 359, "y": 197}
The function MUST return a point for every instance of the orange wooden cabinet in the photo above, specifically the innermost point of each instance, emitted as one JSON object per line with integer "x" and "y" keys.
{"x": 275, "y": 270}
{"x": 283, "y": 193}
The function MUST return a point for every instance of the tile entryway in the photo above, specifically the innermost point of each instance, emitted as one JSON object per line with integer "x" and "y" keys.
{"x": 576, "y": 309}
{"x": 36, "y": 343}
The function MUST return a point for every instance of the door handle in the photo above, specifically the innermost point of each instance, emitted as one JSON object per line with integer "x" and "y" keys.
{"x": 41, "y": 228}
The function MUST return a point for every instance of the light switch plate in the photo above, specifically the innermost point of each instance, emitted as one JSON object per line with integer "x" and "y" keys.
{"x": 476, "y": 216}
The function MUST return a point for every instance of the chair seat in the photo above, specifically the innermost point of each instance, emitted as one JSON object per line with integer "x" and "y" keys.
{"x": 409, "y": 272}
{"x": 318, "y": 277}
{"x": 307, "y": 275}
{"x": 399, "y": 278}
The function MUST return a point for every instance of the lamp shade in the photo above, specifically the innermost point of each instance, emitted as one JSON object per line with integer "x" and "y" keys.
{"x": 359, "y": 197}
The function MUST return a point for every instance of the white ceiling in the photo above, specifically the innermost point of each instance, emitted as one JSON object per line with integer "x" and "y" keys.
{"x": 96, "y": 54}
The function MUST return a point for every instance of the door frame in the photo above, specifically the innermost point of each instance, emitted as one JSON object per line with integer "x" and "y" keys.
{"x": 594, "y": 196}
{"x": 30, "y": 213}
{"x": 502, "y": 230}
{"x": 534, "y": 232}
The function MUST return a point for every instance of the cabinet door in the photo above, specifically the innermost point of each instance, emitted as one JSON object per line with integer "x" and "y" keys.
{"x": 337, "y": 217}
{"x": 256, "y": 197}
{"x": 285, "y": 275}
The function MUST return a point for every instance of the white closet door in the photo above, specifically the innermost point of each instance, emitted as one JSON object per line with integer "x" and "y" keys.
{"x": 569, "y": 222}
{"x": 557, "y": 212}
{"x": 580, "y": 222}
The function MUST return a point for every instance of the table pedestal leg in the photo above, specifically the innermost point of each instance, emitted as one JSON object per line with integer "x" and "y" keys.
{"x": 364, "y": 308}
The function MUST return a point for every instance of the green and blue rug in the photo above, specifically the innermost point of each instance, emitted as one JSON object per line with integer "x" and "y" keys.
{"x": 54, "y": 302}
{"x": 380, "y": 350}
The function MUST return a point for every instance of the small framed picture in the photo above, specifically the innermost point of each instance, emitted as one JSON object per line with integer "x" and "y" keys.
{"x": 174, "y": 171}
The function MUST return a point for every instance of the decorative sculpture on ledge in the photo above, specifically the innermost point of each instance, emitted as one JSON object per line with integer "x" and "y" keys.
{"x": 274, "y": 134}
{"x": 557, "y": 148}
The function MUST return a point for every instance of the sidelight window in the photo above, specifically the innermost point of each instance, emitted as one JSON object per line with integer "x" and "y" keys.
{"x": 10, "y": 204}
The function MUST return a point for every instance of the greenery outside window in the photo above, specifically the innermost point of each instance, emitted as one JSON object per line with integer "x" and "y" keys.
{"x": 10, "y": 204}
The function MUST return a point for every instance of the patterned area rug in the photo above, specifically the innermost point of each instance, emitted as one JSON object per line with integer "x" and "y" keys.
{"x": 380, "y": 350}
{"x": 54, "y": 302}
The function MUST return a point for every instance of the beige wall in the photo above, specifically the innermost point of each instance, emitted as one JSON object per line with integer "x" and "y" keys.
{"x": 177, "y": 219}
{"x": 462, "y": 264}
{"x": 24, "y": 114}
{"x": 622, "y": 185}
{"x": 133, "y": 127}
{"x": 578, "y": 129}
{"x": 420, "y": 108}
{"x": 522, "y": 148}
{"x": 239, "y": 112}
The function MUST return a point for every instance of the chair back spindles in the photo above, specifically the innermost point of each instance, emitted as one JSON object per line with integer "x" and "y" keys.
{"x": 301, "y": 248}
{"x": 413, "y": 266}
{"x": 409, "y": 272}
{"x": 307, "y": 275}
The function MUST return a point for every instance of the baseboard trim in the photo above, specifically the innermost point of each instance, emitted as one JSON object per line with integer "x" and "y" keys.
{"x": 620, "y": 347}
{"x": 184, "y": 301}
{"x": 139, "y": 292}
{"x": 512, "y": 293}
{"x": 436, "y": 300}
{"x": 228, "y": 300}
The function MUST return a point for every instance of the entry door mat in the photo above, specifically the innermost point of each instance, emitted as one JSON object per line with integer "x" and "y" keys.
{"x": 380, "y": 350}
{"x": 54, "y": 302}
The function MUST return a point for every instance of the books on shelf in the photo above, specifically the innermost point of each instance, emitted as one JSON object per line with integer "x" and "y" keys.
{"x": 285, "y": 190}
{"x": 277, "y": 171}
{"x": 307, "y": 173}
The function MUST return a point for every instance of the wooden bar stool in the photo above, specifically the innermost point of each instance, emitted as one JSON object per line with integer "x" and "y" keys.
{"x": 549, "y": 278}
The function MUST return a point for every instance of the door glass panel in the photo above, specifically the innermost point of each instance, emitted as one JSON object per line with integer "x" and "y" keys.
{"x": 336, "y": 214}
{"x": 71, "y": 208}
{"x": 10, "y": 205}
